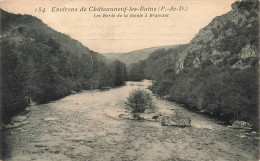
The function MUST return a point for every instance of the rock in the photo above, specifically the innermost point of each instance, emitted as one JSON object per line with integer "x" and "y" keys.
{"x": 146, "y": 117}
{"x": 203, "y": 111}
{"x": 137, "y": 116}
{"x": 16, "y": 124}
{"x": 126, "y": 116}
{"x": 39, "y": 145}
{"x": 176, "y": 119}
{"x": 33, "y": 108}
{"x": 73, "y": 92}
{"x": 27, "y": 109}
{"x": 241, "y": 125}
{"x": 51, "y": 118}
{"x": 133, "y": 116}
{"x": 248, "y": 51}
{"x": 196, "y": 62}
{"x": 155, "y": 117}
{"x": 19, "y": 118}
{"x": 242, "y": 136}
{"x": 167, "y": 97}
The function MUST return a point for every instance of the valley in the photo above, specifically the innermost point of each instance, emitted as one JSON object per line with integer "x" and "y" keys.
{"x": 61, "y": 100}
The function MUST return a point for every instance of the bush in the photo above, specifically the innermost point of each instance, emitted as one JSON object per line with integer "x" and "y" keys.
{"x": 140, "y": 100}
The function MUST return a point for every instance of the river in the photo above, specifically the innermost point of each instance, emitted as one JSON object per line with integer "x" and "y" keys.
{"x": 86, "y": 126}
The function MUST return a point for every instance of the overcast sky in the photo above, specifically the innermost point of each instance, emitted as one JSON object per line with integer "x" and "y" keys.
{"x": 122, "y": 34}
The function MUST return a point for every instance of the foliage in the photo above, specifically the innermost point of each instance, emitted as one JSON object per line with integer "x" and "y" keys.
{"x": 11, "y": 81}
{"x": 248, "y": 5}
{"x": 140, "y": 100}
{"x": 136, "y": 72}
{"x": 119, "y": 72}
{"x": 218, "y": 90}
{"x": 41, "y": 64}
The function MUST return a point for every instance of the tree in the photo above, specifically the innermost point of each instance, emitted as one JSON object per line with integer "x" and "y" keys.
{"x": 119, "y": 72}
{"x": 140, "y": 100}
{"x": 12, "y": 96}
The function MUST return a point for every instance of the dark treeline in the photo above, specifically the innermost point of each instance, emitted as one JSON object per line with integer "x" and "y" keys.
{"x": 40, "y": 64}
{"x": 217, "y": 72}
{"x": 223, "y": 91}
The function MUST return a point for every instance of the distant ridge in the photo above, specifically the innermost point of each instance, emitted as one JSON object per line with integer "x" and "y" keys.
{"x": 135, "y": 56}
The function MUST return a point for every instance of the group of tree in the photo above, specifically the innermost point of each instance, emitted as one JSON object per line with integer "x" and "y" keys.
{"x": 41, "y": 65}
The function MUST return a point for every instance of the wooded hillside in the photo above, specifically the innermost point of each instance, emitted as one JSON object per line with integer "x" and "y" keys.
{"x": 40, "y": 64}
{"x": 217, "y": 72}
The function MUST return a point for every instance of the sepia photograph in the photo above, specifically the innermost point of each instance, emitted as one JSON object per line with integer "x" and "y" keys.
{"x": 129, "y": 80}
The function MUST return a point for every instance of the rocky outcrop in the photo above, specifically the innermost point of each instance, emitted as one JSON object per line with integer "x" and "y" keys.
{"x": 228, "y": 38}
{"x": 176, "y": 119}
{"x": 241, "y": 125}
{"x": 17, "y": 121}
{"x": 248, "y": 51}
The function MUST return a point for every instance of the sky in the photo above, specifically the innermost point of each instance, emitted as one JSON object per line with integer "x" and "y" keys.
{"x": 124, "y": 34}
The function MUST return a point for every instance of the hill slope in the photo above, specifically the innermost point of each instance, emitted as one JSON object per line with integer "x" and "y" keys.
{"x": 135, "y": 56}
{"x": 39, "y": 64}
{"x": 217, "y": 71}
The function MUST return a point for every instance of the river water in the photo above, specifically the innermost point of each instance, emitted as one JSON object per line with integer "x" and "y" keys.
{"x": 86, "y": 126}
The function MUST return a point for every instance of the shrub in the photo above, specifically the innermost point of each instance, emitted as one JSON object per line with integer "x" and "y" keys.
{"x": 140, "y": 100}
